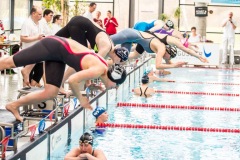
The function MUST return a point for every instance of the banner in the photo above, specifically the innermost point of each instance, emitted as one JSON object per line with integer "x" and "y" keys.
{"x": 209, "y": 50}
{"x": 201, "y": 11}
{"x": 226, "y": 1}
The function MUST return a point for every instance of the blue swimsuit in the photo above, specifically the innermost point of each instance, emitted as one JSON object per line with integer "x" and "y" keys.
{"x": 143, "y": 26}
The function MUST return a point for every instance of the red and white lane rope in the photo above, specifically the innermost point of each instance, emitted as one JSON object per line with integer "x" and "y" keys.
{"x": 199, "y": 93}
{"x": 218, "y": 83}
{"x": 176, "y": 128}
{"x": 167, "y": 106}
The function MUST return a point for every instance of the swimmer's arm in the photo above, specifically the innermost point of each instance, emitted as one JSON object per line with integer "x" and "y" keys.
{"x": 99, "y": 155}
{"x": 72, "y": 155}
{"x": 154, "y": 78}
{"x": 77, "y": 81}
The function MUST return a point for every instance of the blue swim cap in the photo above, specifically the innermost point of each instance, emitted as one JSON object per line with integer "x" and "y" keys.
{"x": 98, "y": 111}
{"x": 122, "y": 53}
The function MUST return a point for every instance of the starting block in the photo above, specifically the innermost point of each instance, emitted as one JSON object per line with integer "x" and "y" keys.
{"x": 39, "y": 110}
{"x": 9, "y": 126}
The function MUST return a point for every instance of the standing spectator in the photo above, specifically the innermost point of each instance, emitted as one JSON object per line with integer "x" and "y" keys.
{"x": 91, "y": 8}
{"x": 56, "y": 26}
{"x": 229, "y": 26}
{"x": 110, "y": 23}
{"x": 32, "y": 32}
{"x": 97, "y": 19}
{"x": 1, "y": 25}
{"x": 46, "y": 22}
{"x": 194, "y": 37}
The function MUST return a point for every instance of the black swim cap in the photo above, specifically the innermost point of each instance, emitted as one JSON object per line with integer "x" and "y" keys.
{"x": 172, "y": 50}
{"x": 117, "y": 74}
{"x": 170, "y": 24}
{"x": 145, "y": 79}
{"x": 86, "y": 138}
{"x": 122, "y": 53}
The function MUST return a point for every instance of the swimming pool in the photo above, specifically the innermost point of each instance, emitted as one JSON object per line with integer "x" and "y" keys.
{"x": 141, "y": 144}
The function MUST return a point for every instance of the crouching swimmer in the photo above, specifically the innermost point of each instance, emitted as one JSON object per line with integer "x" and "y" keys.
{"x": 56, "y": 52}
{"x": 85, "y": 150}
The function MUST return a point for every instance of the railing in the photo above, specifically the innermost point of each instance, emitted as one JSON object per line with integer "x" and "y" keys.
{"x": 61, "y": 133}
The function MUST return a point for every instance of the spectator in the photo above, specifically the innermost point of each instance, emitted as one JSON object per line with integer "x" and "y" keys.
{"x": 1, "y": 25}
{"x": 91, "y": 8}
{"x": 194, "y": 37}
{"x": 229, "y": 26}
{"x": 46, "y": 22}
{"x": 31, "y": 33}
{"x": 56, "y": 26}
{"x": 110, "y": 23}
{"x": 101, "y": 116}
{"x": 85, "y": 150}
{"x": 97, "y": 19}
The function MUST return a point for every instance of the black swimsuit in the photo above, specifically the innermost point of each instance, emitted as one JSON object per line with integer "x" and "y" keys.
{"x": 80, "y": 29}
{"x": 56, "y": 52}
{"x": 143, "y": 92}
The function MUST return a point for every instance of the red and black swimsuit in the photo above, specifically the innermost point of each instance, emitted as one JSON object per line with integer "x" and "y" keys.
{"x": 56, "y": 52}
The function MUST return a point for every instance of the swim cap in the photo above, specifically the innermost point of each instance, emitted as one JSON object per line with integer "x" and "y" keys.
{"x": 86, "y": 138}
{"x": 122, "y": 53}
{"x": 145, "y": 79}
{"x": 172, "y": 50}
{"x": 170, "y": 24}
{"x": 98, "y": 111}
{"x": 117, "y": 74}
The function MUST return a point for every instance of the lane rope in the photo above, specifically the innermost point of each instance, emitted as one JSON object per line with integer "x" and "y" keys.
{"x": 167, "y": 106}
{"x": 175, "y": 128}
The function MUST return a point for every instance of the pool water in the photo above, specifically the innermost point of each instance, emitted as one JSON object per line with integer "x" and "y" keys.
{"x": 149, "y": 144}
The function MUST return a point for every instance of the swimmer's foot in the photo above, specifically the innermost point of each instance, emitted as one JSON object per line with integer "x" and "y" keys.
{"x": 25, "y": 75}
{"x": 15, "y": 112}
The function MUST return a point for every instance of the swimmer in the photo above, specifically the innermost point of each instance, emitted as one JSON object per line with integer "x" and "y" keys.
{"x": 101, "y": 116}
{"x": 153, "y": 25}
{"x": 144, "y": 90}
{"x": 85, "y": 150}
{"x": 84, "y": 30}
{"x": 162, "y": 45}
{"x": 56, "y": 52}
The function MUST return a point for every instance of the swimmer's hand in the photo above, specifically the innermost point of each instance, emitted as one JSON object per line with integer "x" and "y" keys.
{"x": 202, "y": 59}
{"x": 95, "y": 87}
{"x": 84, "y": 156}
{"x": 180, "y": 64}
{"x": 62, "y": 91}
{"x": 84, "y": 102}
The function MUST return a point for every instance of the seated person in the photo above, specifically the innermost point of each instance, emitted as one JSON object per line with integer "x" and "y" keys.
{"x": 101, "y": 116}
{"x": 194, "y": 37}
{"x": 85, "y": 150}
{"x": 143, "y": 90}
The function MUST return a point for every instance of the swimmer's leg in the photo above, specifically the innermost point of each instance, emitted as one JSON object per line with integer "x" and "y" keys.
{"x": 49, "y": 92}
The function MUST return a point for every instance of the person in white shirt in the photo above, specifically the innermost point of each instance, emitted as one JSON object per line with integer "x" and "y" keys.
{"x": 31, "y": 33}
{"x": 46, "y": 22}
{"x": 229, "y": 26}
{"x": 56, "y": 24}
{"x": 91, "y": 8}
{"x": 194, "y": 37}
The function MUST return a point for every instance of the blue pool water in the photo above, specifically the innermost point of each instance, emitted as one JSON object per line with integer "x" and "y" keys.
{"x": 147, "y": 144}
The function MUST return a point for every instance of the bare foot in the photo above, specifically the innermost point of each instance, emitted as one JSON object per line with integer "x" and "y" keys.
{"x": 62, "y": 91}
{"x": 15, "y": 112}
{"x": 25, "y": 75}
